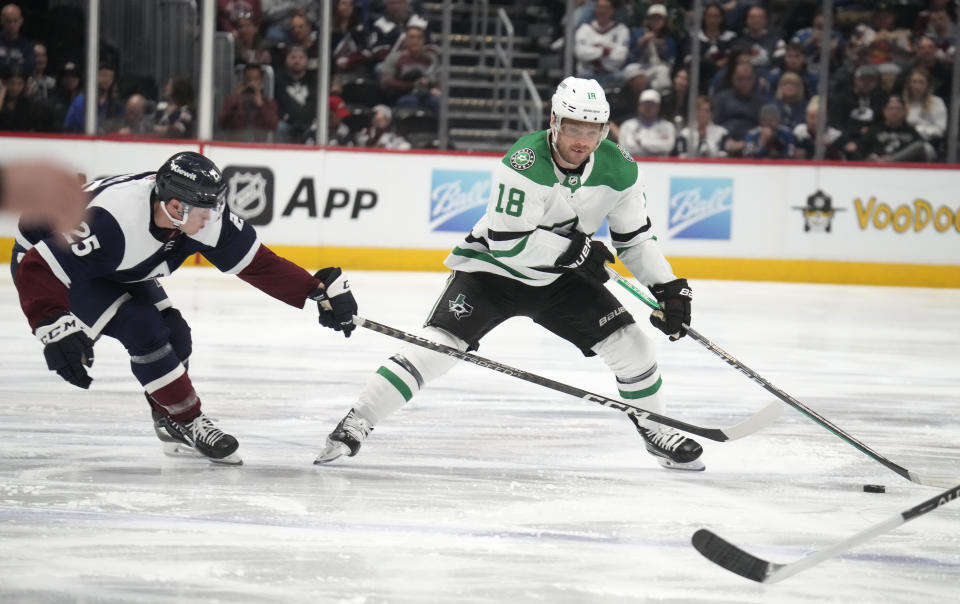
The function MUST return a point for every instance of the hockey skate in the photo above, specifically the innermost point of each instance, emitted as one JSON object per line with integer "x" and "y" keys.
{"x": 345, "y": 439}
{"x": 672, "y": 450}
{"x": 199, "y": 437}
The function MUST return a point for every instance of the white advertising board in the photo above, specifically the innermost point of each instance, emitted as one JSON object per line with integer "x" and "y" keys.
{"x": 428, "y": 201}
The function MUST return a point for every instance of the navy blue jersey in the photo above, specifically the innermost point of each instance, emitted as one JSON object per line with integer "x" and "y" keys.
{"x": 118, "y": 241}
{"x": 119, "y": 245}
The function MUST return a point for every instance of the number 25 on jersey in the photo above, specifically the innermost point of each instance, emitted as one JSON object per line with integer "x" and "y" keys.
{"x": 87, "y": 242}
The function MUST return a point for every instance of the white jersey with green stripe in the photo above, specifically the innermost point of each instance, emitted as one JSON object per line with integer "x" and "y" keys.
{"x": 534, "y": 208}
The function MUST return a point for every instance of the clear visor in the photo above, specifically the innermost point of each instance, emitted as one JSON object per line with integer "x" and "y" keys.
{"x": 213, "y": 213}
{"x": 581, "y": 130}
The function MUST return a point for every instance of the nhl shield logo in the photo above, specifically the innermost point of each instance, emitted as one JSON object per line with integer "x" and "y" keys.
{"x": 250, "y": 193}
{"x": 523, "y": 159}
{"x": 459, "y": 307}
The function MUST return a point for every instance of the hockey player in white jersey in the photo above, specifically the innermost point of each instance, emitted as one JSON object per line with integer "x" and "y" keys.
{"x": 532, "y": 255}
{"x": 102, "y": 279}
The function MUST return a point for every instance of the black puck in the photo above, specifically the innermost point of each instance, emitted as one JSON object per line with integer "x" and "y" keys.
{"x": 874, "y": 488}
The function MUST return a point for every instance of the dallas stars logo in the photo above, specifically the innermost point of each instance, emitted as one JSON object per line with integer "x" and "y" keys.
{"x": 459, "y": 307}
{"x": 523, "y": 159}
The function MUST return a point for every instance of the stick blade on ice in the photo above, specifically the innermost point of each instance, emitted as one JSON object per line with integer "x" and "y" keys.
{"x": 723, "y": 553}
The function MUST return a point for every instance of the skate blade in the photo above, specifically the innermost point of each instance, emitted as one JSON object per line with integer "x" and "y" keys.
{"x": 176, "y": 449}
{"x": 230, "y": 460}
{"x": 691, "y": 466}
{"x": 331, "y": 452}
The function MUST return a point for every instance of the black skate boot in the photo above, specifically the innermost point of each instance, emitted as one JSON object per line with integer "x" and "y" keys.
{"x": 211, "y": 441}
{"x": 174, "y": 444}
{"x": 345, "y": 439}
{"x": 672, "y": 450}
{"x": 198, "y": 437}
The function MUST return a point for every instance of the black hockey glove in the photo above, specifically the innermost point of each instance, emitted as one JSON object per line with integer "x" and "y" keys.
{"x": 675, "y": 297}
{"x": 335, "y": 300}
{"x": 67, "y": 349}
{"x": 588, "y": 256}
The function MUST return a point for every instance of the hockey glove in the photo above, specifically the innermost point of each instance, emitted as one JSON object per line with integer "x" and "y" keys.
{"x": 675, "y": 297}
{"x": 335, "y": 301}
{"x": 67, "y": 349}
{"x": 587, "y": 256}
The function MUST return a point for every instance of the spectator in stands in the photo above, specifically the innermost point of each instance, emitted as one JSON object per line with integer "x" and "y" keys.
{"x": 601, "y": 46}
{"x": 108, "y": 107}
{"x": 248, "y": 45}
{"x": 855, "y": 108}
{"x": 18, "y": 112}
{"x": 942, "y": 32}
{"x": 63, "y": 96}
{"x": 230, "y": 11}
{"x": 246, "y": 114}
{"x": 855, "y": 55}
{"x": 409, "y": 77}
{"x": 771, "y": 139}
{"x": 715, "y": 43}
{"x": 887, "y": 42}
{"x": 387, "y": 30}
{"x": 926, "y": 55}
{"x": 675, "y": 102}
{"x": 623, "y": 101}
{"x": 40, "y": 84}
{"x": 302, "y": 34}
{"x": 926, "y": 112}
{"x": 337, "y": 129}
{"x": 647, "y": 134}
{"x": 790, "y": 100}
{"x": 710, "y": 139}
{"x": 795, "y": 61}
{"x": 277, "y": 15}
{"x": 836, "y": 144}
{"x": 296, "y": 94}
{"x": 894, "y": 139}
{"x": 654, "y": 47}
{"x": 16, "y": 52}
{"x": 348, "y": 42}
{"x": 737, "y": 109}
{"x": 175, "y": 114}
{"x": 380, "y": 133}
{"x": 766, "y": 46}
{"x": 137, "y": 120}
{"x": 809, "y": 39}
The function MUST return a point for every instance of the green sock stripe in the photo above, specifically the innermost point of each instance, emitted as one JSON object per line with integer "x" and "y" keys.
{"x": 399, "y": 384}
{"x": 631, "y": 394}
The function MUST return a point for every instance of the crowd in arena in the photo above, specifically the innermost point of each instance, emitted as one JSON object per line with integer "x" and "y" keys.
{"x": 759, "y": 71}
{"x": 888, "y": 90}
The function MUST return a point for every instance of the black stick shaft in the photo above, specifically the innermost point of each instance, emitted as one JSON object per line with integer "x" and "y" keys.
{"x": 715, "y": 434}
{"x": 783, "y": 396}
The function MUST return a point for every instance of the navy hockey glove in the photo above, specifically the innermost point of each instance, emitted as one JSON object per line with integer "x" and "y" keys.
{"x": 675, "y": 297}
{"x": 335, "y": 300}
{"x": 587, "y": 256}
{"x": 67, "y": 349}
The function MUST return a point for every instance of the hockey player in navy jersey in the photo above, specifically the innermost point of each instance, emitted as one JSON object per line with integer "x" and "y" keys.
{"x": 532, "y": 254}
{"x": 102, "y": 279}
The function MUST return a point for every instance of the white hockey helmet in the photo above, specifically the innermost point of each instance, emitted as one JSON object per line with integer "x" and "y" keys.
{"x": 582, "y": 100}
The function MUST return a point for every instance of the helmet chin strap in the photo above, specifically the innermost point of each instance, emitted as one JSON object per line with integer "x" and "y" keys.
{"x": 177, "y": 222}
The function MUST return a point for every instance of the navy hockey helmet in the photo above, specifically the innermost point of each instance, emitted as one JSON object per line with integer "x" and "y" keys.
{"x": 193, "y": 179}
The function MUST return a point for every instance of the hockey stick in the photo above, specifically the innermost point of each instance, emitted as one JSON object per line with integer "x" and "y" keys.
{"x": 940, "y": 481}
{"x": 761, "y": 419}
{"x": 729, "y": 556}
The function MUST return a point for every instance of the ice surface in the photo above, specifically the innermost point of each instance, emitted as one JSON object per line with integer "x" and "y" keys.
{"x": 484, "y": 488}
